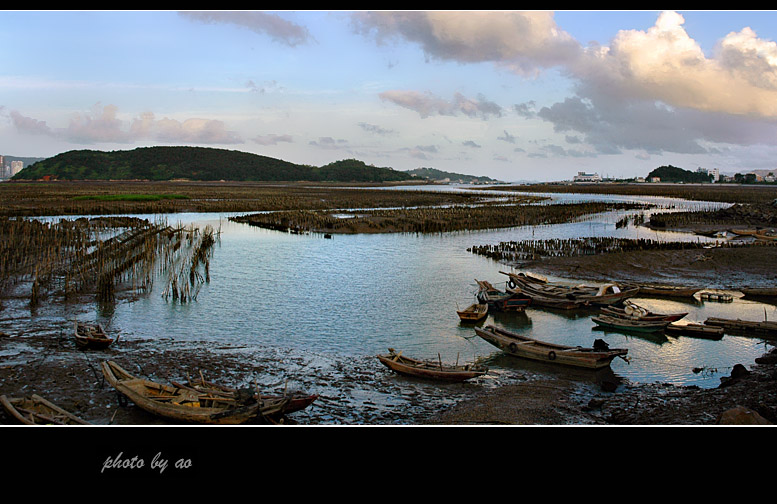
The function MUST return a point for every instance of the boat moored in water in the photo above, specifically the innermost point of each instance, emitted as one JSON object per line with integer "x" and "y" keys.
{"x": 596, "y": 357}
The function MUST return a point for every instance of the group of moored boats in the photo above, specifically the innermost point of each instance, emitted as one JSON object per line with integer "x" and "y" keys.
{"x": 616, "y": 311}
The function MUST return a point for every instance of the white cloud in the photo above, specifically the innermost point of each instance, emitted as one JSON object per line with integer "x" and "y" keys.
{"x": 428, "y": 105}
{"x": 273, "y": 25}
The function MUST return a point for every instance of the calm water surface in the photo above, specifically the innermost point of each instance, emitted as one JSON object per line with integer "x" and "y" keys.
{"x": 357, "y": 295}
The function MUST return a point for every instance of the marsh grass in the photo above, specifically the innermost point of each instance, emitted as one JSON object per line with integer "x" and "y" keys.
{"x": 98, "y": 257}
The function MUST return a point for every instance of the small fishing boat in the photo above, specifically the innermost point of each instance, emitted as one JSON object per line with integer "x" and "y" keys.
{"x": 185, "y": 404}
{"x": 92, "y": 336}
{"x": 436, "y": 370}
{"x": 474, "y": 312}
{"x": 656, "y": 290}
{"x": 596, "y": 357}
{"x": 626, "y": 324}
{"x": 634, "y": 311}
{"x": 697, "y": 330}
{"x": 35, "y": 410}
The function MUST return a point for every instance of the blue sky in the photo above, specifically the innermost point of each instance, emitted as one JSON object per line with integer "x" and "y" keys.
{"x": 508, "y": 94}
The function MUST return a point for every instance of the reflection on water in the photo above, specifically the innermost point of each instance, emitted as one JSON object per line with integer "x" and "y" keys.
{"x": 353, "y": 296}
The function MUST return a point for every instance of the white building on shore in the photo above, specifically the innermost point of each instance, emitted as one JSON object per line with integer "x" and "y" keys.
{"x": 587, "y": 177}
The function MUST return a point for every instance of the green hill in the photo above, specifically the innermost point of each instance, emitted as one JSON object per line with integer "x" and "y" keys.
{"x": 671, "y": 173}
{"x": 197, "y": 163}
{"x": 439, "y": 175}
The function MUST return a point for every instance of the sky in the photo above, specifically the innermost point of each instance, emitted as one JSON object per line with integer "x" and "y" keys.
{"x": 512, "y": 95}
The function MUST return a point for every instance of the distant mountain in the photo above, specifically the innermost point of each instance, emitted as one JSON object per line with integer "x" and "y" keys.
{"x": 443, "y": 176}
{"x": 197, "y": 163}
{"x": 671, "y": 173}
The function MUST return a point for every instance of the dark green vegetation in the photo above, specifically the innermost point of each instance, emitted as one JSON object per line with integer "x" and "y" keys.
{"x": 671, "y": 173}
{"x": 197, "y": 163}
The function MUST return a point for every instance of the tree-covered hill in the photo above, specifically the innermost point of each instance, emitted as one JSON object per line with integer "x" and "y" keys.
{"x": 197, "y": 163}
{"x": 439, "y": 175}
{"x": 671, "y": 173}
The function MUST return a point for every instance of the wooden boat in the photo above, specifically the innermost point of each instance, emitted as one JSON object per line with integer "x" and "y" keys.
{"x": 474, "y": 312}
{"x": 636, "y": 325}
{"x": 91, "y": 336}
{"x": 759, "y": 291}
{"x": 35, "y": 410}
{"x": 634, "y": 311}
{"x": 186, "y": 404}
{"x": 744, "y": 326}
{"x": 744, "y": 232}
{"x": 516, "y": 302}
{"x": 490, "y": 295}
{"x": 436, "y": 370}
{"x": 656, "y": 290}
{"x": 597, "y": 357}
{"x": 697, "y": 330}
{"x": 297, "y": 401}
{"x": 558, "y": 295}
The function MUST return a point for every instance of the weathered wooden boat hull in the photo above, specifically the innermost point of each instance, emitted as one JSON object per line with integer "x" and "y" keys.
{"x": 473, "y": 313}
{"x": 765, "y": 328}
{"x": 185, "y": 405}
{"x": 645, "y": 326}
{"x": 514, "y": 303}
{"x": 667, "y": 291}
{"x": 429, "y": 370}
{"x": 555, "y": 295}
{"x": 621, "y": 312}
{"x": 297, "y": 401}
{"x": 528, "y": 348}
{"x": 759, "y": 292}
{"x": 36, "y": 410}
{"x": 696, "y": 330}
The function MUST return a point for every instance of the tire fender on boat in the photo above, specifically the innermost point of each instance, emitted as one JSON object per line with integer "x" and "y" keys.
{"x": 511, "y": 284}
{"x": 551, "y": 355}
{"x": 512, "y": 347}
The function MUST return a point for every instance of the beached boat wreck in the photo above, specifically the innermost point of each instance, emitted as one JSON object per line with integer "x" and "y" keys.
{"x": 435, "y": 370}
{"x": 597, "y": 357}
{"x": 473, "y": 313}
{"x": 568, "y": 297}
{"x": 184, "y": 404}
{"x": 35, "y": 410}
{"x": 630, "y": 324}
{"x": 297, "y": 400}
{"x": 92, "y": 336}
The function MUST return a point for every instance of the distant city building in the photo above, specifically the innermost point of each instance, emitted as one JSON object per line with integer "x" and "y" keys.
{"x": 655, "y": 179}
{"x": 587, "y": 177}
{"x": 16, "y": 167}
